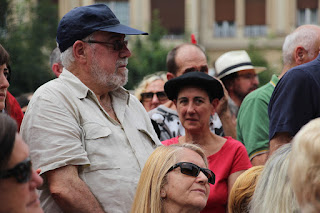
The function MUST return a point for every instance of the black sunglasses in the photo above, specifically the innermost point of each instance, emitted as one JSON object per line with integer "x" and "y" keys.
{"x": 147, "y": 96}
{"x": 117, "y": 45}
{"x": 194, "y": 170}
{"x": 22, "y": 171}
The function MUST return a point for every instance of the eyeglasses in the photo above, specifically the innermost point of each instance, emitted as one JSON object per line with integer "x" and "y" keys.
{"x": 194, "y": 170}
{"x": 117, "y": 45}
{"x": 248, "y": 76}
{"x": 22, "y": 171}
{"x": 147, "y": 96}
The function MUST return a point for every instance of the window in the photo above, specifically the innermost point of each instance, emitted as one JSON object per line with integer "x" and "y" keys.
{"x": 224, "y": 23}
{"x": 171, "y": 14}
{"x": 255, "y": 20}
{"x": 120, "y": 8}
{"x": 307, "y": 12}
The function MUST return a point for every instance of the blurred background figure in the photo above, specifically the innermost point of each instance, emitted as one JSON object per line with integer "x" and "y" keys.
{"x": 55, "y": 62}
{"x": 238, "y": 75}
{"x": 18, "y": 181}
{"x": 273, "y": 192}
{"x": 24, "y": 100}
{"x": 8, "y": 103}
{"x": 304, "y": 167}
{"x": 299, "y": 47}
{"x": 174, "y": 179}
{"x": 243, "y": 189}
{"x": 150, "y": 91}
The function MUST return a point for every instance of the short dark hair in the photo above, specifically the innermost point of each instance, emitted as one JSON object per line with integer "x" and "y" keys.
{"x": 8, "y": 130}
{"x": 172, "y": 66}
{"x": 228, "y": 79}
{"x": 4, "y": 56}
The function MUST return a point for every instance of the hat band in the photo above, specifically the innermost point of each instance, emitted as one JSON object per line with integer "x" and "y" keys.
{"x": 234, "y": 66}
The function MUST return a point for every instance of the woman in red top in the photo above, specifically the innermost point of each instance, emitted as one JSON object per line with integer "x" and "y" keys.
{"x": 196, "y": 96}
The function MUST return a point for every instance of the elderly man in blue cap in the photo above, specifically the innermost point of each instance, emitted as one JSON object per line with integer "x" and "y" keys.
{"x": 87, "y": 134}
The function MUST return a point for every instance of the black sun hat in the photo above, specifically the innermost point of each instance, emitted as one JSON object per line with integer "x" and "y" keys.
{"x": 198, "y": 79}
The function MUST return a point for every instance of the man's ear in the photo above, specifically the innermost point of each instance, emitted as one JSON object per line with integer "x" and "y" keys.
{"x": 300, "y": 55}
{"x": 56, "y": 69}
{"x": 79, "y": 51}
{"x": 170, "y": 76}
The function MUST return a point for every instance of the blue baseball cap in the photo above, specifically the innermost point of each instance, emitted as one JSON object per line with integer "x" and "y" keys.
{"x": 80, "y": 22}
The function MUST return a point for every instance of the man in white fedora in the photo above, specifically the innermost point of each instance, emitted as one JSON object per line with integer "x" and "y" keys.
{"x": 238, "y": 75}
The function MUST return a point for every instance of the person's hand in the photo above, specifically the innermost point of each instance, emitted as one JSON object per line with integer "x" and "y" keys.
{"x": 223, "y": 103}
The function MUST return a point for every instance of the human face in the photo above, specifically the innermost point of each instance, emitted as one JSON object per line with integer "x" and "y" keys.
{"x": 194, "y": 109}
{"x": 182, "y": 192}
{"x": 155, "y": 86}
{"x": 19, "y": 197}
{"x": 189, "y": 59}
{"x": 246, "y": 82}
{"x": 4, "y": 84}
{"x": 108, "y": 67}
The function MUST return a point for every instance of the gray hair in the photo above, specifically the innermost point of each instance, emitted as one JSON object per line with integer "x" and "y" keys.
{"x": 67, "y": 57}
{"x": 55, "y": 56}
{"x": 306, "y": 36}
{"x": 273, "y": 191}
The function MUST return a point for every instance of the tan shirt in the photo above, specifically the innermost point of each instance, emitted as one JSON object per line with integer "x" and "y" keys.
{"x": 65, "y": 125}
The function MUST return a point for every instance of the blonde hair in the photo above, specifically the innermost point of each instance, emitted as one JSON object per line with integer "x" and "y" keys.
{"x": 304, "y": 167}
{"x": 153, "y": 176}
{"x": 273, "y": 191}
{"x": 243, "y": 189}
{"x": 161, "y": 75}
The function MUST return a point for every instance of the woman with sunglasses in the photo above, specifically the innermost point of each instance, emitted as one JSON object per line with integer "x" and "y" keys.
{"x": 196, "y": 96}
{"x": 174, "y": 179}
{"x": 150, "y": 91}
{"x": 18, "y": 181}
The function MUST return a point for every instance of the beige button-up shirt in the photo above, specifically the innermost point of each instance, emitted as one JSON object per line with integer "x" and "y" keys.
{"x": 66, "y": 125}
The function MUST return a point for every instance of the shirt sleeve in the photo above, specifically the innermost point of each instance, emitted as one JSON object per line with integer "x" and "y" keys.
{"x": 293, "y": 102}
{"x": 253, "y": 125}
{"x": 241, "y": 160}
{"x": 53, "y": 135}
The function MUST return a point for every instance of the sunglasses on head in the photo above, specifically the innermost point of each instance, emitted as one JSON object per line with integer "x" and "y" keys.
{"x": 147, "y": 96}
{"x": 194, "y": 170}
{"x": 21, "y": 172}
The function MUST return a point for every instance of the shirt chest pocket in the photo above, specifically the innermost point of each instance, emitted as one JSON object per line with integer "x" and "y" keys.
{"x": 99, "y": 146}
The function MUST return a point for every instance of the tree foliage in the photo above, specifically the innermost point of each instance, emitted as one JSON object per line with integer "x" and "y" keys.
{"x": 257, "y": 59}
{"x": 148, "y": 55}
{"x": 29, "y": 37}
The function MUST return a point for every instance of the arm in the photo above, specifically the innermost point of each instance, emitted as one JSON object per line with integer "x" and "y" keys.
{"x": 259, "y": 159}
{"x": 70, "y": 192}
{"x": 232, "y": 178}
{"x": 228, "y": 120}
{"x": 278, "y": 140}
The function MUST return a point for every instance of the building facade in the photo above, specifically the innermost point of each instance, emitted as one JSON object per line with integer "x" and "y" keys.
{"x": 218, "y": 25}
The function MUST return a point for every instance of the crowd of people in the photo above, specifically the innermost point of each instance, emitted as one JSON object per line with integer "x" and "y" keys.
{"x": 185, "y": 141}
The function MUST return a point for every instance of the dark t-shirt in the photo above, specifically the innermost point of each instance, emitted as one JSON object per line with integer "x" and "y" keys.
{"x": 296, "y": 99}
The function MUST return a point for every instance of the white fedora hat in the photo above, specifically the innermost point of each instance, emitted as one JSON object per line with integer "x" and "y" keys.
{"x": 234, "y": 61}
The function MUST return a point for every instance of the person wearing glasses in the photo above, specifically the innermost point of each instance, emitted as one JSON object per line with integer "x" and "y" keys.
{"x": 238, "y": 75}
{"x": 150, "y": 91}
{"x": 89, "y": 136}
{"x": 196, "y": 96}
{"x": 174, "y": 179}
{"x": 18, "y": 181}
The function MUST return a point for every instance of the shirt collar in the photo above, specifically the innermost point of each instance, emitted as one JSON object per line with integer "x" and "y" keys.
{"x": 82, "y": 91}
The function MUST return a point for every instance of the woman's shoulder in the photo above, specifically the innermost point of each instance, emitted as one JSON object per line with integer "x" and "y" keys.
{"x": 171, "y": 141}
